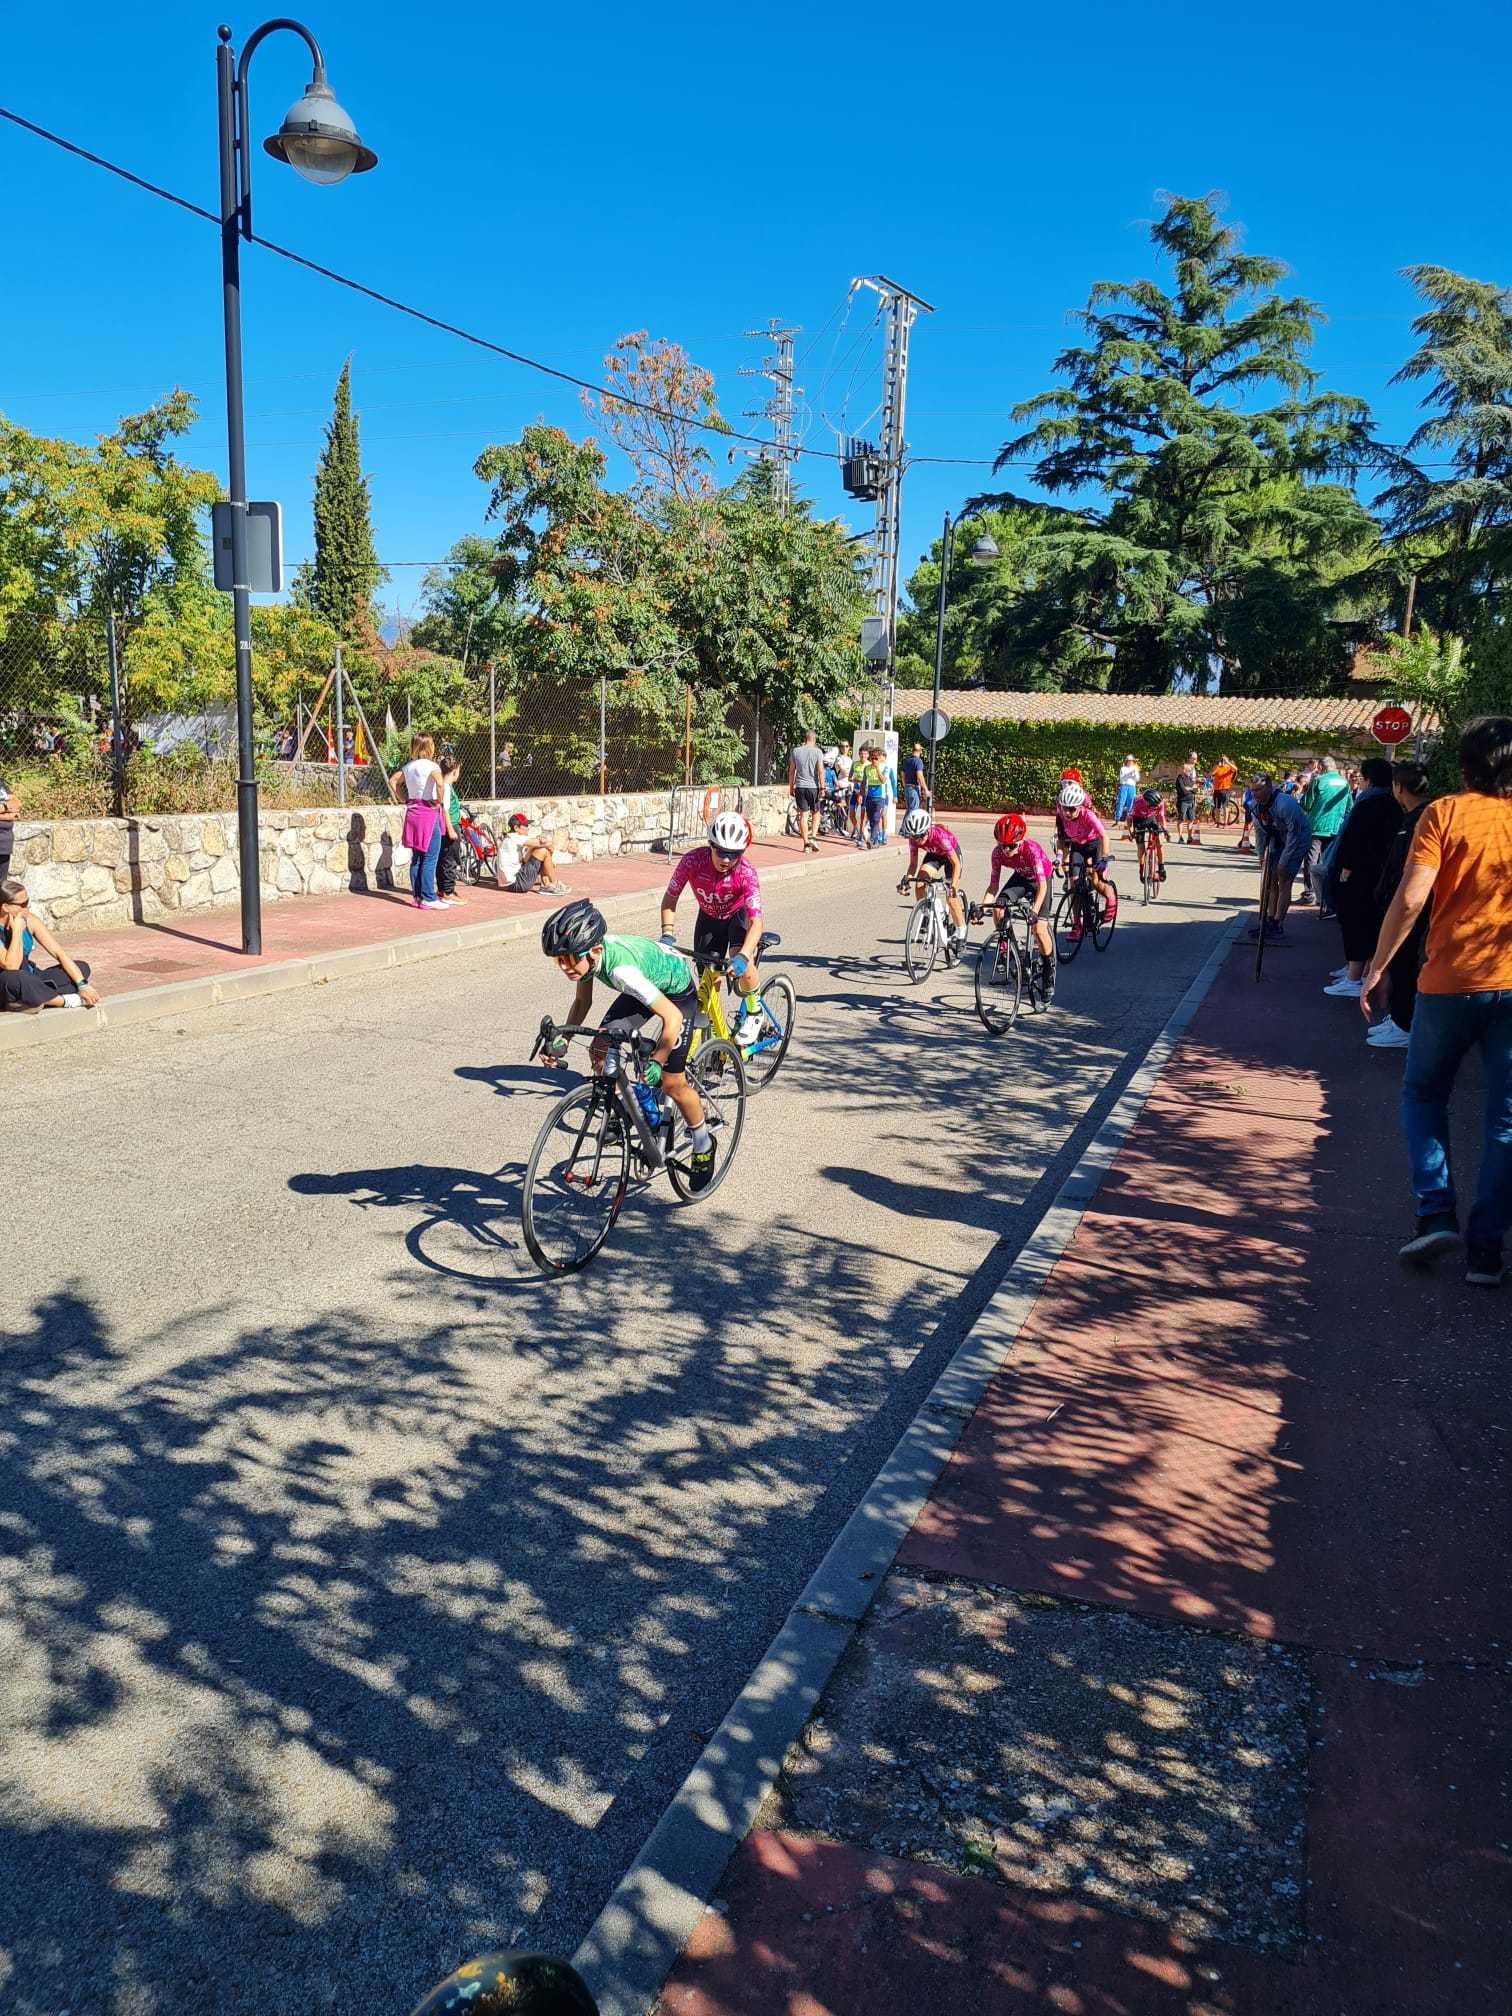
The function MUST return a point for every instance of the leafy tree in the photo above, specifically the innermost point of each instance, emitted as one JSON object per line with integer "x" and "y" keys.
{"x": 1458, "y": 526}
{"x": 464, "y": 615}
{"x": 1220, "y": 542}
{"x": 656, "y": 413}
{"x": 344, "y": 577}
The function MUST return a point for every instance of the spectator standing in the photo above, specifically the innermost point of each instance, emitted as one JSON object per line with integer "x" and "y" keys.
{"x": 1326, "y": 801}
{"x": 1224, "y": 774}
{"x": 869, "y": 817}
{"x": 1461, "y": 856}
{"x": 912, "y": 778}
{"x": 425, "y": 821}
{"x": 1409, "y": 786}
{"x": 806, "y": 781}
{"x": 1283, "y": 835}
{"x": 1354, "y": 875}
{"x": 1128, "y": 788}
{"x": 10, "y": 812}
{"x": 23, "y": 984}
{"x": 450, "y": 856}
{"x": 1186, "y": 801}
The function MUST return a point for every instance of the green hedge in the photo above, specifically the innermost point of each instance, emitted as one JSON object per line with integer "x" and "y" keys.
{"x": 986, "y": 766}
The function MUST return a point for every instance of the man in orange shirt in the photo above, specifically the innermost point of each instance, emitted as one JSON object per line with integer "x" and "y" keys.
{"x": 1461, "y": 856}
{"x": 1223, "y": 786}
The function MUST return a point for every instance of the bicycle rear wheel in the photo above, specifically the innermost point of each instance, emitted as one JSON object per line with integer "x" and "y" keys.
{"x": 921, "y": 941}
{"x": 1149, "y": 881}
{"x": 779, "y": 1009}
{"x": 790, "y": 824}
{"x": 718, "y": 1076}
{"x": 999, "y": 985}
{"x": 1068, "y": 921}
{"x": 575, "y": 1180}
{"x": 1103, "y": 918}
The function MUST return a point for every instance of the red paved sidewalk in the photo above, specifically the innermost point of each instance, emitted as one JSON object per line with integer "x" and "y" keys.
{"x": 208, "y": 945}
{"x": 1234, "y": 1415}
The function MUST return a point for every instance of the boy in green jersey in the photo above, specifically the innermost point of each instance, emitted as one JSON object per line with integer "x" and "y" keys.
{"x": 650, "y": 980}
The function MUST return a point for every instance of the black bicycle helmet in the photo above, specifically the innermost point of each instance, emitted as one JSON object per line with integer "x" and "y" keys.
{"x": 510, "y": 1984}
{"x": 1155, "y": 798}
{"x": 573, "y": 931}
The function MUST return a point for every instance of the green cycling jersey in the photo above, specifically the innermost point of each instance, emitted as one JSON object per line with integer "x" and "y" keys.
{"x": 643, "y": 969}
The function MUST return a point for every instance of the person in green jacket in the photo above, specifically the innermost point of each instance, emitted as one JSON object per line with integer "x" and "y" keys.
{"x": 1326, "y": 801}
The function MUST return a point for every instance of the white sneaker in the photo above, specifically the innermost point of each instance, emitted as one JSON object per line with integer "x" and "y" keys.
{"x": 435, "y": 904}
{"x": 1339, "y": 973}
{"x": 746, "y": 1031}
{"x": 72, "y": 1001}
{"x": 1346, "y": 990}
{"x": 1387, "y": 1036}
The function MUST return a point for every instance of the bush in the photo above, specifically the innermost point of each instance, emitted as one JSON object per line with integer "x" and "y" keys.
{"x": 984, "y": 766}
{"x": 1487, "y": 689}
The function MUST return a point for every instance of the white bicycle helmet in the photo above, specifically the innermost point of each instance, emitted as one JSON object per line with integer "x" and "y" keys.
{"x": 915, "y": 824}
{"x": 1071, "y": 797}
{"x": 730, "y": 832}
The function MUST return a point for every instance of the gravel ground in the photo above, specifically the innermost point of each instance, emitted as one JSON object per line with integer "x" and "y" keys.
{"x": 1146, "y": 1768}
{"x": 362, "y": 1593}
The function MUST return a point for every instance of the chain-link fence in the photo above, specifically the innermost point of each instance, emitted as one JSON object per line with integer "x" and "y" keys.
{"x": 74, "y": 745}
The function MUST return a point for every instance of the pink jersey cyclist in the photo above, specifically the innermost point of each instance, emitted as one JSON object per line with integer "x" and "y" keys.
{"x": 1083, "y": 829}
{"x": 722, "y": 890}
{"x": 1028, "y": 861}
{"x": 939, "y": 844}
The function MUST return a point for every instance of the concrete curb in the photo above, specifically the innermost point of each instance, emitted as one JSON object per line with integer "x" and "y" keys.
{"x": 182, "y": 997}
{"x": 649, "y": 1919}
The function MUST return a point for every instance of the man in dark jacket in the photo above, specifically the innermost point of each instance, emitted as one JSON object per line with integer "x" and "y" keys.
{"x": 1409, "y": 786}
{"x": 1359, "y": 856}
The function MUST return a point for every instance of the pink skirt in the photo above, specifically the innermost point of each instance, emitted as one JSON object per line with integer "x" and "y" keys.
{"x": 419, "y": 824}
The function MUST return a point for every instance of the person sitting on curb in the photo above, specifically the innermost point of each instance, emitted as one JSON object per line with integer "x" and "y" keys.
{"x": 23, "y": 985}
{"x": 526, "y": 865}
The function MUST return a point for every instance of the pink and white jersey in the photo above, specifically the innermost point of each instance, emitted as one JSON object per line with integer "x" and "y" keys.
{"x": 1028, "y": 859}
{"x": 939, "y": 840}
{"x": 721, "y": 892}
{"x": 1082, "y": 828}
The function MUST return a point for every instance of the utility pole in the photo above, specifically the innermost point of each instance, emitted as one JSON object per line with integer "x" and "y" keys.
{"x": 900, "y": 308}
{"x": 778, "y": 371}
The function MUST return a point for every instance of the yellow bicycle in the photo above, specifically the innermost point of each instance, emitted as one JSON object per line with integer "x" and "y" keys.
{"x": 779, "y": 1010}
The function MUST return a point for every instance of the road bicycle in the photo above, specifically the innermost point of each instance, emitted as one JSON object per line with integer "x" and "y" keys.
{"x": 1149, "y": 873}
{"x": 779, "y": 1011}
{"x": 1082, "y": 913}
{"x": 1010, "y": 967}
{"x": 597, "y": 1140}
{"x": 480, "y": 848}
{"x": 930, "y": 934}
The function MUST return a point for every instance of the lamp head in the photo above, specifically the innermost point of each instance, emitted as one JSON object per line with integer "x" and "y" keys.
{"x": 984, "y": 552}
{"x": 318, "y": 140}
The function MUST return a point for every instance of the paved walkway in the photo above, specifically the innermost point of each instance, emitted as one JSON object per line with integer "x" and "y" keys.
{"x": 208, "y": 945}
{"x": 1189, "y": 1690}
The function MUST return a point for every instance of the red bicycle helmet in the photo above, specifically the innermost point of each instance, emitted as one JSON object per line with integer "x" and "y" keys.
{"x": 1071, "y": 776}
{"x": 1010, "y": 829}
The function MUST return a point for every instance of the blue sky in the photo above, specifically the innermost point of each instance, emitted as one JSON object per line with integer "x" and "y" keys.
{"x": 552, "y": 178}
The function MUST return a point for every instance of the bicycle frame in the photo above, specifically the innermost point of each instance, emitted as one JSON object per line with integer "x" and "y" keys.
{"x": 615, "y": 1085}
{"x": 711, "y": 1015}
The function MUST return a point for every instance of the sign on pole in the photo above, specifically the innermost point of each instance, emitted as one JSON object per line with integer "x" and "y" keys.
{"x": 264, "y": 547}
{"x": 1392, "y": 725}
{"x": 934, "y": 724}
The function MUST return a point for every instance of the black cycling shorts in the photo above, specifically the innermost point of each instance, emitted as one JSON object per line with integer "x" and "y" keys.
{"x": 1096, "y": 859}
{"x": 627, "y": 1016}
{"x": 806, "y": 797}
{"x": 718, "y": 937}
{"x": 1020, "y": 888}
{"x": 946, "y": 863}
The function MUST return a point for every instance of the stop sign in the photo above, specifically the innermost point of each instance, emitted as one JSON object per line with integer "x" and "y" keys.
{"x": 1392, "y": 725}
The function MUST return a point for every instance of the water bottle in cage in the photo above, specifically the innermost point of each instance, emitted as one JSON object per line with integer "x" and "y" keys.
{"x": 650, "y": 1106}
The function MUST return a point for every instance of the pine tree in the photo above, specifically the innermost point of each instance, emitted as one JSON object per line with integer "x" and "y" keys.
{"x": 1458, "y": 526}
{"x": 1219, "y": 543}
{"x": 345, "y": 576}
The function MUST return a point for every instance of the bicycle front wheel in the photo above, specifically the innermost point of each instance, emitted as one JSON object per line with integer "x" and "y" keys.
{"x": 1068, "y": 926}
{"x": 921, "y": 941}
{"x": 1105, "y": 916}
{"x": 779, "y": 1009}
{"x": 999, "y": 985}
{"x": 718, "y": 1076}
{"x": 575, "y": 1180}
{"x": 790, "y": 825}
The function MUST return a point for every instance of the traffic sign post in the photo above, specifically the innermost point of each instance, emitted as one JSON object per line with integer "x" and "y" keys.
{"x": 1391, "y": 725}
{"x": 934, "y": 724}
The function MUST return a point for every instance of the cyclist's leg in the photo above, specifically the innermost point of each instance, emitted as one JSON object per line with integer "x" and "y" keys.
{"x": 953, "y": 901}
{"x": 674, "y": 1072}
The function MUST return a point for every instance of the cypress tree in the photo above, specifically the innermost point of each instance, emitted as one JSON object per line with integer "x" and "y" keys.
{"x": 345, "y": 577}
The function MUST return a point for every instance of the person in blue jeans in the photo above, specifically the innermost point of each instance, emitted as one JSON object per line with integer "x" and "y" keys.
{"x": 1128, "y": 786}
{"x": 911, "y": 777}
{"x": 1461, "y": 856}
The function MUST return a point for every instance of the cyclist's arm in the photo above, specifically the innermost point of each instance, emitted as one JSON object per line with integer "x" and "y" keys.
{"x": 668, "y": 912}
{"x": 677, "y": 882}
{"x": 582, "y": 1001}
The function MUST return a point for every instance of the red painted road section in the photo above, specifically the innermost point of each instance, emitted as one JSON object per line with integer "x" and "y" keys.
{"x": 1230, "y": 1410}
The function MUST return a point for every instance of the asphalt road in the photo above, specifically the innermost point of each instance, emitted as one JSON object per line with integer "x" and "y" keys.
{"x": 364, "y": 1596}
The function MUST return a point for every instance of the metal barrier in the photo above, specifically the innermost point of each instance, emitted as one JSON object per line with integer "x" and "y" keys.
{"x": 692, "y": 806}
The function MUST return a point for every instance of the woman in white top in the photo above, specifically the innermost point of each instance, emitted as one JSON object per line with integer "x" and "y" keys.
{"x": 1128, "y": 786}
{"x": 426, "y": 821}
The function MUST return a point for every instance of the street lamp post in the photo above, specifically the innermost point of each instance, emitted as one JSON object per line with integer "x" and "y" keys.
{"x": 983, "y": 553}
{"x": 319, "y": 142}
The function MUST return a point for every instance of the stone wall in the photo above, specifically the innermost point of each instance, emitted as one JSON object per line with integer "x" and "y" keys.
{"x": 89, "y": 872}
